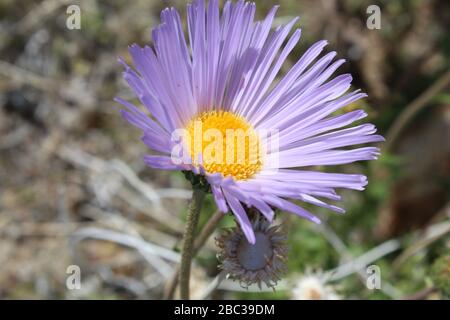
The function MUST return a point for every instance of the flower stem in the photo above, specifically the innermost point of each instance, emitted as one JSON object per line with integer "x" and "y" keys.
{"x": 188, "y": 241}
{"x": 199, "y": 242}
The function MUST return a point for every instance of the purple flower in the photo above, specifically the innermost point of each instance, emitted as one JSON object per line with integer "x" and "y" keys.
{"x": 226, "y": 79}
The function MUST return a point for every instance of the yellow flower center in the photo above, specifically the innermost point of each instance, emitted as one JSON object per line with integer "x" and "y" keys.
{"x": 227, "y": 143}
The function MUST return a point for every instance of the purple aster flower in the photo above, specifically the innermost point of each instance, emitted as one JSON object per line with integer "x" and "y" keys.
{"x": 226, "y": 79}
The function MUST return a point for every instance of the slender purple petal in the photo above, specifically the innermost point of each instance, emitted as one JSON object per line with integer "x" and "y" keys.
{"x": 241, "y": 217}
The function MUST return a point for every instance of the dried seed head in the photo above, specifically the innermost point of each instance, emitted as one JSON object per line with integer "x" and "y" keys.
{"x": 263, "y": 262}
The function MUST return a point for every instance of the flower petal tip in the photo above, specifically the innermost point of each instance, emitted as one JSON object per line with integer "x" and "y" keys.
{"x": 316, "y": 220}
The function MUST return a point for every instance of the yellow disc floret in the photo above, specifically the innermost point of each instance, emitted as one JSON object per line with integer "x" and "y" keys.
{"x": 227, "y": 143}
